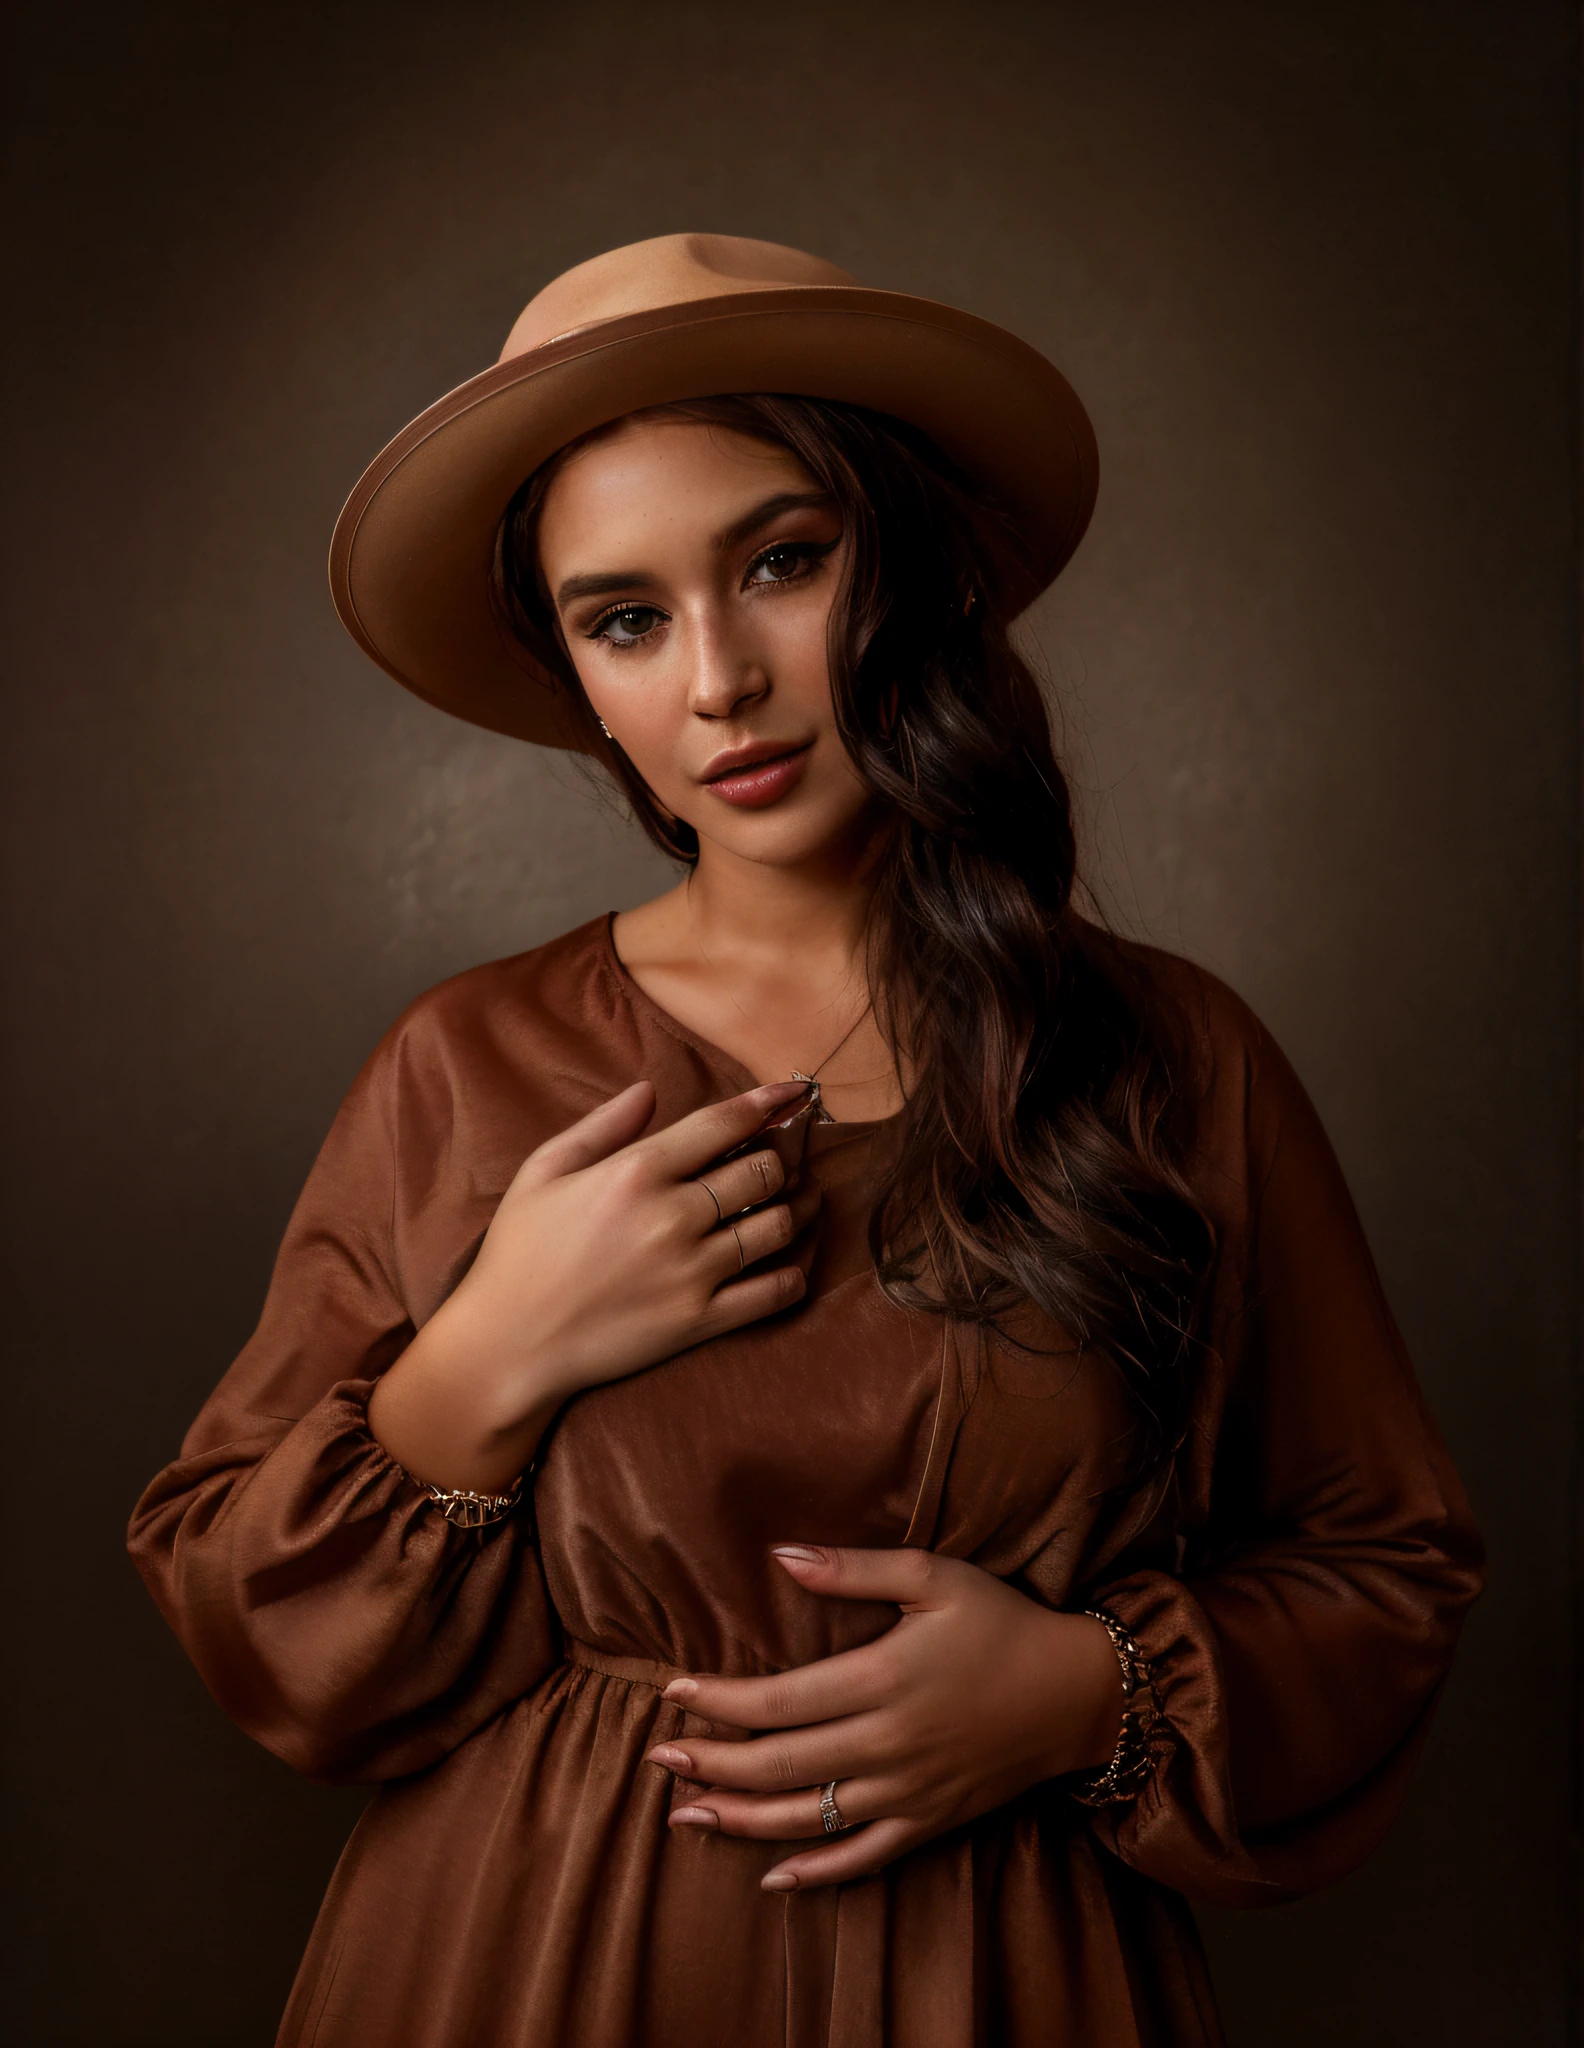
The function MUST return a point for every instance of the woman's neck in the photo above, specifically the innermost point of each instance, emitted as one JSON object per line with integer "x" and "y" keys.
{"x": 764, "y": 919}
{"x": 768, "y": 963}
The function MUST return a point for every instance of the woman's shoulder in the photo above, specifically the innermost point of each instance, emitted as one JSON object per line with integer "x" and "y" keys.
{"x": 1213, "y": 1023}
{"x": 1228, "y": 1069}
{"x": 550, "y": 979}
{"x": 556, "y": 1006}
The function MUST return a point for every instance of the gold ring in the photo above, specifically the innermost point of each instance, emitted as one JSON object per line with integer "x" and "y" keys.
{"x": 742, "y": 1256}
{"x": 720, "y": 1213}
{"x": 831, "y": 1813}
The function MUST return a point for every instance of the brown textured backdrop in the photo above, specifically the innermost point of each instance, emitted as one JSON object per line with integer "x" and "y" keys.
{"x": 1313, "y": 269}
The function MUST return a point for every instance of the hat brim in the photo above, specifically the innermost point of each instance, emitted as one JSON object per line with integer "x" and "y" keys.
{"x": 413, "y": 552}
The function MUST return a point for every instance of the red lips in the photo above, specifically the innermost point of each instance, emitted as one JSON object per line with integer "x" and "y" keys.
{"x": 754, "y": 776}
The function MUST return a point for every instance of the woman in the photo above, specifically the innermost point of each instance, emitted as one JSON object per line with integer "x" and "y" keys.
{"x": 975, "y": 1492}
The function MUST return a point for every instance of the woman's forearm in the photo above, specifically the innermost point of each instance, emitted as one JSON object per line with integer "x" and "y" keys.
{"x": 459, "y": 1408}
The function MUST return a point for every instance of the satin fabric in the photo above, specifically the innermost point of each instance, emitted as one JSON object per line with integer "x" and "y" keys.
{"x": 513, "y": 1884}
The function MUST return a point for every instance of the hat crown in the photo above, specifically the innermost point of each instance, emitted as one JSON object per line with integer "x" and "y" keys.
{"x": 667, "y": 270}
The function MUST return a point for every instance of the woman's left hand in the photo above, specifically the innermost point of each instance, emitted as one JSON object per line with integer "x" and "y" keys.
{"x": 977, "y": 1693}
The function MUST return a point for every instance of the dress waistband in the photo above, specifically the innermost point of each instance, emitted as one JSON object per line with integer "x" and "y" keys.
{"x": 640, "y": 1670}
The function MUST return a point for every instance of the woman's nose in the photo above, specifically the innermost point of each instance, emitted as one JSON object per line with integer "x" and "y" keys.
{"x": 726, "y": 674}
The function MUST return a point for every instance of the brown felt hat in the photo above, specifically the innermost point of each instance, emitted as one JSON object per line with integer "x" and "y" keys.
{"x": 682, "y": 316}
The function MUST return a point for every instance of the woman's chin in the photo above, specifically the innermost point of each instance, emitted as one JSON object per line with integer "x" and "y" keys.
{"x": 798, "y": 831}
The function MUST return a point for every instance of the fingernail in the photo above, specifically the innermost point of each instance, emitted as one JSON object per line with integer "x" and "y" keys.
{"x": 779, "y": 1881}
{"x": 795, "y": 1553}
{"x": 680, "y": 1689}
{"x": 782, "y": 1091}
{"x": 694, "y": 1817}
{"x": 669, "y": 1759}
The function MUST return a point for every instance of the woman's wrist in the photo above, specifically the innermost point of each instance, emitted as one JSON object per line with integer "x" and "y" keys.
{"x": 1100, "y": 1721}
{"x": 1124, "y": 1773}
{"x": 455, "y": 1412}
{"x": 1075, "y": 1692}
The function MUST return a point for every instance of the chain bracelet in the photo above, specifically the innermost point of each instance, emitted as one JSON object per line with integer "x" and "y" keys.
{"x": 1124, "y": 1776}
{"x": 465, "y": 1510}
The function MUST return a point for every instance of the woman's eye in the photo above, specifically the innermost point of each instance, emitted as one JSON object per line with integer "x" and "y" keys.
{"x": 785, "y": 564}
{"x": 629, "y": 624}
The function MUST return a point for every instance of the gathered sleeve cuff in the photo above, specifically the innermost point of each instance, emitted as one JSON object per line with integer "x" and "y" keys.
{"x": 331, "y": 1608}
{"x": 1299, "y": 1640}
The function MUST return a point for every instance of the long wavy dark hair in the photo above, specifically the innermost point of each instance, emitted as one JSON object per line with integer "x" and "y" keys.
{"x": 1041, "y": 1154}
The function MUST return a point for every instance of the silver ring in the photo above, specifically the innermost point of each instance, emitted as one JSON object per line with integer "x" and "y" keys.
{"x": 720, "y": 1213}
{"x": 831, "y": 1813}
{"x": 742, "y": 1256}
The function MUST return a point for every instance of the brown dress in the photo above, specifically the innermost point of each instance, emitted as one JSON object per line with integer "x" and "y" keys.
{"x": 514, "y": 1884}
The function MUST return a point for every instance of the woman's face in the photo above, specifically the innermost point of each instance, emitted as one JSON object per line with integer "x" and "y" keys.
{"x": 693, "y": 572}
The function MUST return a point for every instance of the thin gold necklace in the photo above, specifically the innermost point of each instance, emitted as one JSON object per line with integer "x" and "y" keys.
{"x": 821, "y": 1114}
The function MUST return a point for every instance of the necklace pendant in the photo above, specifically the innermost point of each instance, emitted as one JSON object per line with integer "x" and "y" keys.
{"x": 821, "y": 1114}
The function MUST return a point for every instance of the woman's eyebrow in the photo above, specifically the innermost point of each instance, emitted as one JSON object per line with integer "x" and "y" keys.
{"x": 607, "y": 582}
{"x": 772, "y": 508}
{"x": 604, "y": 584}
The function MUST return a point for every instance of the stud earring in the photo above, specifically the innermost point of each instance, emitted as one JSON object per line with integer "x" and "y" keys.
{"x": 604, "y": 728}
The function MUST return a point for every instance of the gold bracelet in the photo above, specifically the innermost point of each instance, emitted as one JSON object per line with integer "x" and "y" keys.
{"x": 465, "y": 1510}
{"x": 1124, "y": 1776}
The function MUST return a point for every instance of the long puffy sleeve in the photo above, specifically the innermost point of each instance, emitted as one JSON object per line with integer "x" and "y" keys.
{"x": 332, "y": 1610}
{"x": 1326, "y": 1555}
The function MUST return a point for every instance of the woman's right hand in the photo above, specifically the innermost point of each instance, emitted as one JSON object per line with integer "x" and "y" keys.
{"x": 605, "y": 1255}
